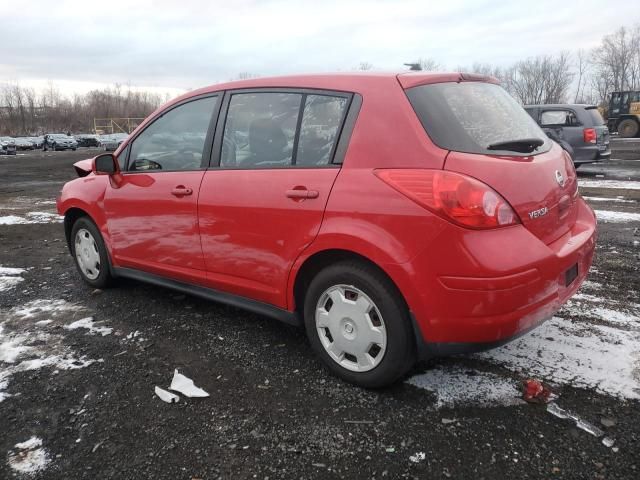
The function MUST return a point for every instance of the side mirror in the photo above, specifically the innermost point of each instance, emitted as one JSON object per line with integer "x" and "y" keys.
{"x": 106, "y": 164}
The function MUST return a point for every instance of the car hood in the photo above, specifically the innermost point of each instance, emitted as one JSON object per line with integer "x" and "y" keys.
{"x": 83, "y": 167}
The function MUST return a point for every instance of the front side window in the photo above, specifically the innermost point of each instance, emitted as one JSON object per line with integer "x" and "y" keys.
{"x": 558, "y": 117}
{"x": 175, "y": 141}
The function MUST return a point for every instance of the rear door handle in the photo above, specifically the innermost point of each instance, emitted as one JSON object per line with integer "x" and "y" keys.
{"x": 302, "y": 193}
{"x": 181, "y": 191}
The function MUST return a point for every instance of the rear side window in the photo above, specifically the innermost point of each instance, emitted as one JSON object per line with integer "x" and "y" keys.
{"x": 558, "y": 117}
{"x": 473, "y": 116}
{"x": 279, "y": 130}
{"x": 595, "y": 116}
{"x": 321, "y": 121}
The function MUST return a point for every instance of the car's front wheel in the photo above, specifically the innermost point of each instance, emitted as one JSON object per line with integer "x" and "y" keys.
{"x": 359, "y": 325}
{"x": 90, "y": 253}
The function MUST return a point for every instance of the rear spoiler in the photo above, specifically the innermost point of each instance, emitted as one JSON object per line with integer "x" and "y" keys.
{"x": 411, "y": 79}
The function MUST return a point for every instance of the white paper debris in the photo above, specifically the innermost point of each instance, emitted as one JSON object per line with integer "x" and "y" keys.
{"x": 554, "y": 409}
{"x": 166, "y": 396}
{"x": 608, "y": 442}
{"x": 185, "y": 386}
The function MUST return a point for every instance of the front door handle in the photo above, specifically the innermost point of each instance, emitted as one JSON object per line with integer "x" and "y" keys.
{"x": 181, "y": 191}
{"x": 302, "y": 193}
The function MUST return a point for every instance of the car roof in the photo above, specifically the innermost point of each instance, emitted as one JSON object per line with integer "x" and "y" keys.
{"x": 341, "y": 81}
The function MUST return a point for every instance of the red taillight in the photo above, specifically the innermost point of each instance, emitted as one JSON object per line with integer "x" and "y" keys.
{"x": 590, "y": 135}
{"x": 456, "y": 197}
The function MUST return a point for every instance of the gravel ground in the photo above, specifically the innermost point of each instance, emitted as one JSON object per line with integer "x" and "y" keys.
{"x": 77, "y": 397}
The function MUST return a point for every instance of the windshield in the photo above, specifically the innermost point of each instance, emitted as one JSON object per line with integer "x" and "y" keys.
{"x": 473, "y": 116}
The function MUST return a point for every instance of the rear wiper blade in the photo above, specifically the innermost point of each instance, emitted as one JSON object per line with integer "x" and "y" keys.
{"x": 523, "y": 145}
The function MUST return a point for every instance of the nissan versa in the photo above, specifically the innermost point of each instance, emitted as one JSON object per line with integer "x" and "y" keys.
{"x": 396, "y": 217}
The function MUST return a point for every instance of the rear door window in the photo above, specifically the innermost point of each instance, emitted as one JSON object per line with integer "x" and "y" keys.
{"x": 279, "y": 130}
{"x": 473, "y": 116}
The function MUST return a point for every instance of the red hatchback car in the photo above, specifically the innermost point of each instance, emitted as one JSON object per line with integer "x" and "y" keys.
{"x": 396, "y": 217}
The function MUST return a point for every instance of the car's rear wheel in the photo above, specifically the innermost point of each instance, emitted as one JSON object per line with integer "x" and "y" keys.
{"x": 90, "y": 253}
{"x": 628, "y": 128}
{"x": 359, "y": 325}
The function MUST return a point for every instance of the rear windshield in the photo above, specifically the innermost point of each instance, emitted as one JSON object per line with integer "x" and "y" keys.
{"x": 596, "y": 118}
{"x": 471, "y": 116}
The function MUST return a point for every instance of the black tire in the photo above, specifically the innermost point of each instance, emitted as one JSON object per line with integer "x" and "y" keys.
{"x": 628, "y": 128}
{"x": 73, "y": 149}
{"x": 104, "y": 278}
{"x": 400, "y": 354}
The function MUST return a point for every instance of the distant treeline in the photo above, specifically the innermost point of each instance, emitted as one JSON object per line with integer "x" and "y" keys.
{"x": 24, "y": 111}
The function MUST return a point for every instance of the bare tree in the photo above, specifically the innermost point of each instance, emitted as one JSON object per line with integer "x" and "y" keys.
{"x": 582, "y": 66}
{"x": 25, "y": 112}
{"x": 542, "y": 79}
{"x": 365, "y": 66}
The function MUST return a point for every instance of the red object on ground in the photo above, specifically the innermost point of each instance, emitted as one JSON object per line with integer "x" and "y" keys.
{"x": 536, "y": 392}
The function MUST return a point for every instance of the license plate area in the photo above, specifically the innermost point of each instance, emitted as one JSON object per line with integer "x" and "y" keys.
{"x": 570, "y": 275}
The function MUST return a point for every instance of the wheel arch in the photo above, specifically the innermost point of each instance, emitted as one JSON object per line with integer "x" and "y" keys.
{"x": 73, "y": 213}
{"x": 318, "y": 260}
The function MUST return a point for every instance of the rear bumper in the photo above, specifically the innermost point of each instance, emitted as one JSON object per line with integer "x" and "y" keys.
{"x": 505, "y": 282}
{"x": 591, "y": 153}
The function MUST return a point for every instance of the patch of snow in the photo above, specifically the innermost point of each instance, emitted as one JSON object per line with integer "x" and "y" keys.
{"x": 9, "y": 277}
{"x": 418, "y": 457}
{"x": 11, "y": 271}
{"x": 591, "y": 285}
{"x": 605, "y": 199}
{"x": 135, "y": 337}
{"x": 52, "y": 308}
{"x": 615, "y": 184}
{"x": 577, "y": 353}
{"x": 31, "y": 218}
{"x": 12, "y": 348}
{"x": 89, "y": 324}
{"x": 9, "y": 282}
{"x": 25, "y": 347}
{"x": 29, "y": 457}
{"x": 617, "y": 217}
{"x": 454, "y": 386}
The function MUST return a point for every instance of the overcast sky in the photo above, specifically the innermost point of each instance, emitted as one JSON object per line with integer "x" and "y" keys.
{"x": 176, "y": 45}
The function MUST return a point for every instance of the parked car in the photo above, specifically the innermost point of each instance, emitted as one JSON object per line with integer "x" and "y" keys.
{"x": 111, "y": 142}
{"x": 326, "y": 201}
{"x": 59, "y": 141}
{"x": 24, "y": 143}
{"x": 581, "y": 126}
{"x": 87, "y": 140}
{"x": 37, "y": 141}
{"x": 7, "y": 146}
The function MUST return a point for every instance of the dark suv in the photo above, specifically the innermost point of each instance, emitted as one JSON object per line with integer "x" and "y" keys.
{"x": 581, "y": 126}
